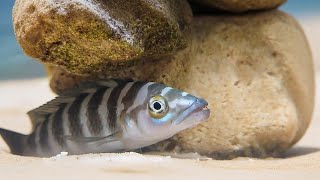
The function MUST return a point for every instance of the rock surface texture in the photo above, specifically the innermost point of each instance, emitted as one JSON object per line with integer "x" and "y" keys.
{"x": 88, "y": 36}
{"x": 240, "y": 5}
{"x": 256, "y": 72}
{"x": 170, "y": 71}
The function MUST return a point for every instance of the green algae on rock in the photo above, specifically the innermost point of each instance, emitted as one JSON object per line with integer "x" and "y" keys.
{"x": 89, "y": 36}
{"x": 240, "y": 5}
{"x": 169, "y": 70}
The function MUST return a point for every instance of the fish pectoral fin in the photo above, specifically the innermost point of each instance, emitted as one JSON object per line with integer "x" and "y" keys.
{"x": 105, "y": 139}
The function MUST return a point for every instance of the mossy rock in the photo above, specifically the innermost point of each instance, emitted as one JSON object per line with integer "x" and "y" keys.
{"x": 87, "y": 37}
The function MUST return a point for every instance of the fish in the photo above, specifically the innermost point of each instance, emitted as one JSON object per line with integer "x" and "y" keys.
{"x": 106, "y": 116}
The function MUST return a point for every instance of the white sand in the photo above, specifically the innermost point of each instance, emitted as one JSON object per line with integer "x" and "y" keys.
{"x": 303, "y": 161}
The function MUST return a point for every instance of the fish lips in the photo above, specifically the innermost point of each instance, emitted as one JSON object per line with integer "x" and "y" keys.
{"x": 195, "y": 113}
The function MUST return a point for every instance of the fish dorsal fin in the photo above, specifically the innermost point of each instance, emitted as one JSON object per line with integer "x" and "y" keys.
{"x": 91, "y": 86}
{"x": 41, "y": 113}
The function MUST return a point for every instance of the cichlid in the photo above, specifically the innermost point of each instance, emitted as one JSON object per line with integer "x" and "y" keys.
{"x": 107, "y": 116}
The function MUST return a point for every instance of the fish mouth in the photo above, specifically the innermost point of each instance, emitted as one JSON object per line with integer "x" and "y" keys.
{"x": 196, "y": 113}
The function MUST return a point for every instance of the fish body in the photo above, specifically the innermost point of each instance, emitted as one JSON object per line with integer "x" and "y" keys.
{"x": 107, "y": 116}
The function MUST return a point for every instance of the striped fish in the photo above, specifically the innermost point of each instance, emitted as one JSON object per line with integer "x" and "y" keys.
{"x": 107, "y": 116}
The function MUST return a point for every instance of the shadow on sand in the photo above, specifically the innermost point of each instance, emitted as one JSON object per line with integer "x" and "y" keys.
{"x": 300, "y": 151}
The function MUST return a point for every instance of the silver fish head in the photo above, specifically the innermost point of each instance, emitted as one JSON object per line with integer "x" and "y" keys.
{"x": 167, "y": 111}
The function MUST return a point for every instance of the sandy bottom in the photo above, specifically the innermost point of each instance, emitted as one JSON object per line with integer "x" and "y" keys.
{"x": 302, "y": 162}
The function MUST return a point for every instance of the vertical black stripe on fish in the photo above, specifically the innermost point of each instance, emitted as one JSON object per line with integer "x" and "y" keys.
{"x": 155, "y": 89}
{"x": 57, "y": 126}
{"x": 112, "y": 106}
{"x": 44, "y": 144}
{"x": 131, "y": 95}
{"x": 94, "y": 120}
{"x": 75, "y": 127}
{"x": 151, "y": 90}
{"x": 37, "y": 136}
{"x": 31, "y": 141}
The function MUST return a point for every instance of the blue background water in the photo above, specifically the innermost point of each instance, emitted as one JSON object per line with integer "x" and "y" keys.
{"x": 15, "y": 65}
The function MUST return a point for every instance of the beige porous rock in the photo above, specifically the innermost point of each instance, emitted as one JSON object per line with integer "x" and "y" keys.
{"x": 240, "y": 5}
{"x": 86, "y": 36}
{"x": 255, "y": 71}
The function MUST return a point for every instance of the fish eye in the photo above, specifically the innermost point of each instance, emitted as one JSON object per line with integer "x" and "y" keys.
{"x": 158, "y": 106}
